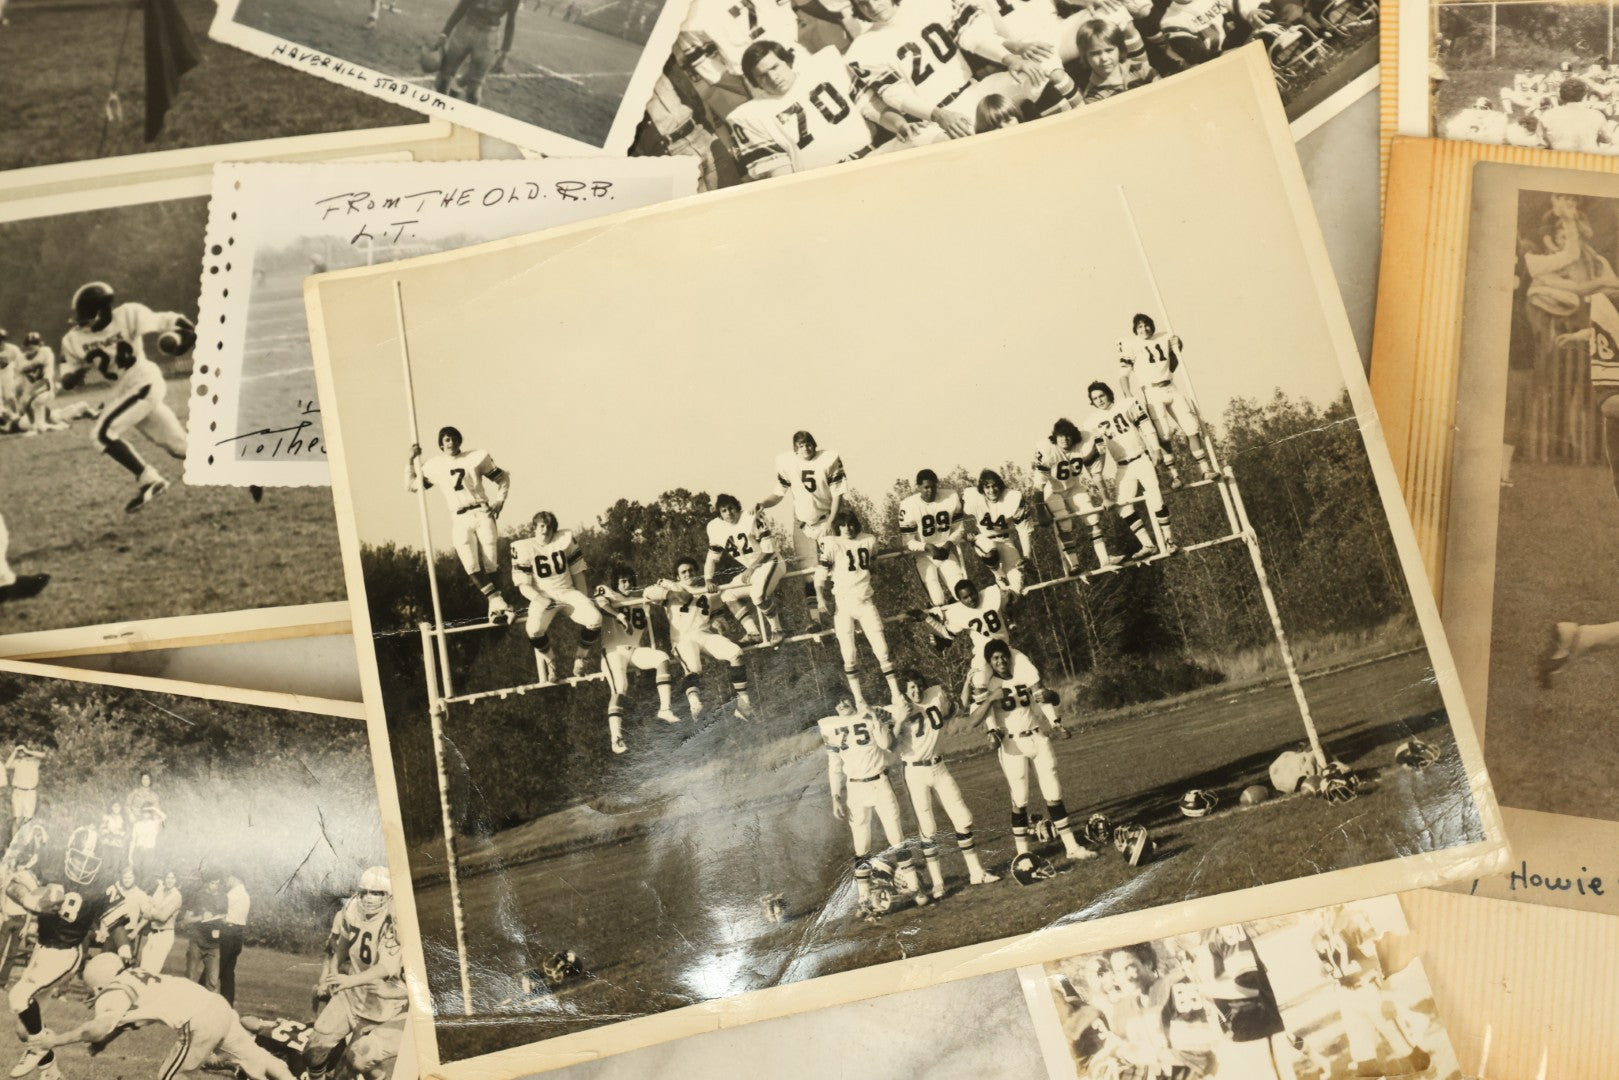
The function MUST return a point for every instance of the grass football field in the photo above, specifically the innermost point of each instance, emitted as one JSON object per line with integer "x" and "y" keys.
{"x": 195, "y": 550}
{"x": 668, "y": 913}
{"x": 64, "y": 59}
{"x": 1556, "y": 554}
{"x": 560, "y": 76}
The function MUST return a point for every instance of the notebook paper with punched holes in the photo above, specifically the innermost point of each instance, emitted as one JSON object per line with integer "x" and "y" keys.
{"x": 1086, "y": 647}
{"x": 256, "y": 416}
{"x": 1495, "y": 360}
{"x": 208, "y": 866}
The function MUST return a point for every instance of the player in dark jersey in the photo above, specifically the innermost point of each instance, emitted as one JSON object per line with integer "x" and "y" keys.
{"x": 285, "y": 1040}
{"x": 74, "y": 908}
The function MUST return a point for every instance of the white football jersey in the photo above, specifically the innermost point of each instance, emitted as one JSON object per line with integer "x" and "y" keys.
{"x": 857, "y": 741}
{"x": 461, "y": 477}
{"x": 173, "y": 1000}
{"x": 1118, "y": 426}
{"x": 117, "y": 350}
{"x": 717, "y": 32}
{"x": 995, "y": 519}
{"x": 1026, "y": 20}
{"x": 1062, "y": 472}
{"x": 614, "y": 634}
{"x": 850, "y": 562}
{"x": 1476, "y": 125}
{"x": 923, "y": 46}
{"x": 1204, "y": 18}
{"x": 811, "y": 483}
{"x": 1012, "y": 699}
{"x": 984, "y": 623}
{"x": 742, "y": 542}
{"x": 817, "y": 122}
{"x": 927, "y": 521}
{"x": 1604, "y": 346}
{"x": 1155, "y": 357}
{"x": 373, "y": 940}
{"x": 549, "y": 567}
{"x": 40, "y": 369}
{"x": 686, "y": 616}
{"x": 917, "y": 735}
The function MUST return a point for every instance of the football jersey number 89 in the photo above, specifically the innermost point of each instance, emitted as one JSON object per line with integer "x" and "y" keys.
{"x": 935, "y": 523}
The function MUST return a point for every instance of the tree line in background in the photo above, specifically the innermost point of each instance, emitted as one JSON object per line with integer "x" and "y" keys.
{"x": 285, "y": 801}
{"x": 1138, "y": 635}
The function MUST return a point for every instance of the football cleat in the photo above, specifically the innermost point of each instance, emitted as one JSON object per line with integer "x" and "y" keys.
{"x": 500, "y": 612}
{"x": 1134, "y": 843}
{"x": 25, "y": 586}
{"x": 618, "y": 744}
{"x": 695, "y": 702}
{"x": 146, "y": 494}
{"x": 668, "y": 716}
{"x": 1029, "y": 868}
{"x": 1210, "y": 474}
{"x": 1416, "y": 755}
{"x": 1198, "y": 803}
{"x": 744, "y": 711}
{"x": 1099, "y": 830}
{"x": 939, "y": 890}
{"x": 29, "y": 1061}
{"x": 989, "y": 877}
{"x": 1175, "y": 481}
{"x": 581, "y": 667}
{"x": 1558, "y": 652}
{"x": 1142, "y": 554}
{"x": 1080, "y": 853}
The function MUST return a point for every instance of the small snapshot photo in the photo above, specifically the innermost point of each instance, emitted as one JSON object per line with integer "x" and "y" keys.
{"x": 866, "y": 633}
{"x": 1532, "y": 73}
{"x": 190, "y": 885}
{"x": 1324, "y": 995}
{"x": 87, "y": 95}
{"x": 763, "y": 88}
{"x": 1554, "y": 643}
{"x": 98, "y": 341}
{"x": 554, "y": 75}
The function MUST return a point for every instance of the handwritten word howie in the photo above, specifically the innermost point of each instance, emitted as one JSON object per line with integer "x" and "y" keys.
{"x": 1585, "y": 883}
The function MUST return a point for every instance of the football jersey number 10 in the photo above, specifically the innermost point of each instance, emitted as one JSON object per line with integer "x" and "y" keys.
{"x": 834, "y": 109}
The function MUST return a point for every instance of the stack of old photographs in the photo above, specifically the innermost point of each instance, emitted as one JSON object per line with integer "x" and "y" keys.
{"x": 945, "y": 604}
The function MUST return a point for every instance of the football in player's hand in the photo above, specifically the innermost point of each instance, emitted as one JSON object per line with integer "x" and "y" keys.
{"x": 171, "y": 344}
{"x": 54, "y": 895}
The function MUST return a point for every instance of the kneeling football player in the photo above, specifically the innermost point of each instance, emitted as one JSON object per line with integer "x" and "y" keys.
{"x": 690, "y": 606}
{"x": 549, "y": 569}
{"x": 1007, "y": 692}
{"x": 918, "y": 719}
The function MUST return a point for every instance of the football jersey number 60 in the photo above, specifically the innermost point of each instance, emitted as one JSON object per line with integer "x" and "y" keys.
{"x": 555, "y": 563}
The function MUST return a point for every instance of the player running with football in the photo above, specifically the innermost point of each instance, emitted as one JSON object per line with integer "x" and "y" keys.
{"x": 108, "y": 338}
{"x": 204, "y": 1021}
{"x": 1069, "y": 465}
{"x": 1005, "y": 696}
{"x": 857, "y": 745}
{"x": 466, "y": 477}
{"x": 1124, "y": 431}
{"x": 1003, "y": 535}
{"x": 931, "y": 526}
{"x": 549, "y": 570}
{"x": 1155, "y": 359}
{"x": 690, "y": 606}
{"x": 848, "y": 556}
{"x": 624, "y": 645}
{"x": 742, "y": 560}
{"x": 918, "y": 718}
{"x": 815, "y": 479}
{"x": 363, "y": 978}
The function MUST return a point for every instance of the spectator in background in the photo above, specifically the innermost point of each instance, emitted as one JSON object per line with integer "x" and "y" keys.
{"x": 230, "y": 944}
{"x": 204, "y": 920}
{"x": 161, "y": 915}
{"x": 143, "y": 839}
{"x": 112, "y": 841}
{"x": 142, "y": 797}
{"x": 23, "y": 769}
{"x": 137, "y": 902}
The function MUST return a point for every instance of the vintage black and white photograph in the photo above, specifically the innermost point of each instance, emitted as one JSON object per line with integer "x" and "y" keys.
{"x": 1322, "y": 995}
{"x": 811, "y": 662}
{"x": 1528, "y": 73}
{"x": 771, "y": 87}
{"x": 191, "y": 884}
{"x": 1546, "y": 352}
{"x": 559, "y": 76}
{"x": 103, "y": 544}
{"x": 261, "y": 416}
{"x": 90, "y": 85}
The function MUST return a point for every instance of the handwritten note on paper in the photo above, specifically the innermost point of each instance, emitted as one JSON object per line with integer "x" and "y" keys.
{"x": 254, "y": 411}
{"x": 1559, "y": 861}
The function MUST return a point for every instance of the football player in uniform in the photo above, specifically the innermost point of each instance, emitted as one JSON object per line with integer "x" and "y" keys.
{"x": 1006, "y": 695}
{"x": 465, "y": 477}
{"x": 715, "y": 37}
{"x": 981, "y": 614}
{"x": 467, "y": 45}
{"x": 108, "y": 337}
{"x": 549, "y": 569}
{"x": 363, "y": 977}
{"x": 804, "y": 114}
{"x": 36, "y": 385}
{"x": 914, "y": 61}
{"x": 848, "y": 555}
{"x": 918, "y": 718}
{"x": 1069, "y": 465}
{"x": 690, "y": 606}
{"x": 15, "y": 586}
{"x": 1034, "y": 29}
{"x": 1003, "y": 534}
{"x": 204, "y": 1021}
{"x": 21, "y": 858}
{"x": 73, "y": 907}
{"x": 815, "y": 479}
{"x": 1125, "y": 431}
{"x": 857, "y": 745}
{"x": 624, "y": 645}
{"x": 1480, "y": 122}
{"x": 742, "y": 560}
{"x": 1155, "y": 360}
{"x": 931, "y": 525}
